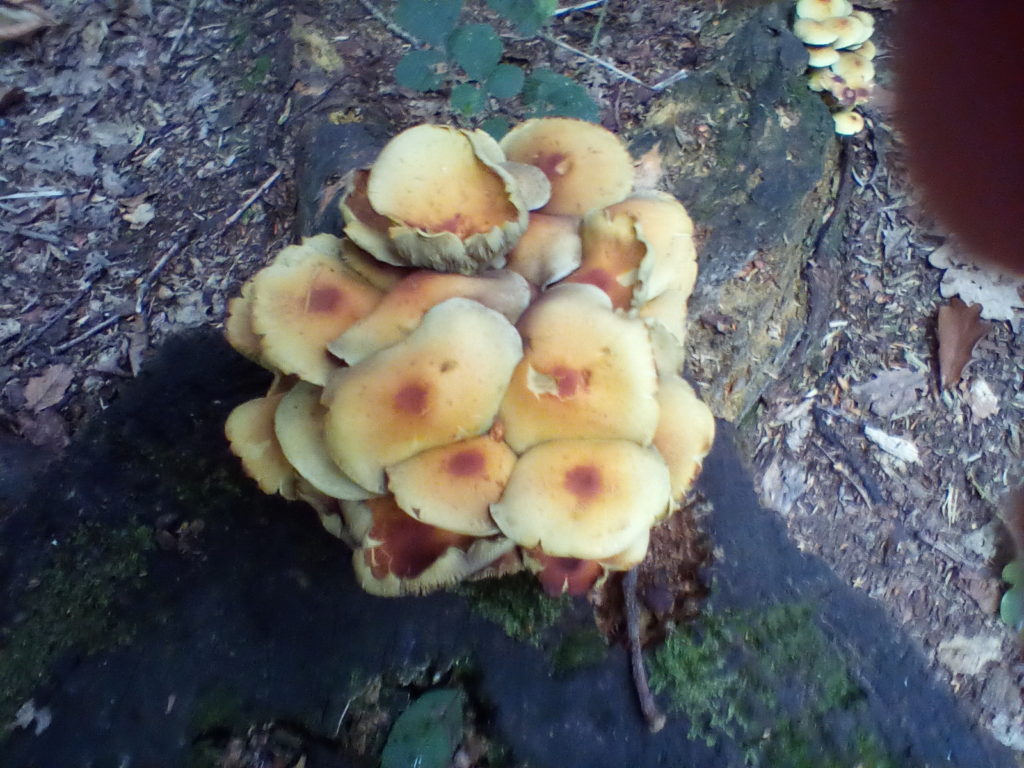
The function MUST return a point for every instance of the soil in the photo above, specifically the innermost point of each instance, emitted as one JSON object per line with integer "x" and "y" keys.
{"x": 147, "y": 168}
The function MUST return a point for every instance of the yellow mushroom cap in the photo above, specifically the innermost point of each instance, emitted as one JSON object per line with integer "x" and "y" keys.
{"x": 454, "y": 485}
{"x": 367, "y": 228}
{"x": 250, "y": 432}
{"x": 588, "y": 166}
{"x": 589, "y": 499}
{"x": 303, "y": 300}
{"x": 665, "y": 318}
{"x": 238, "y": 330}
{"x": 665, "y": 227}
{"x": 866, "y": 49}
{"x": 612, "y": 253}
{"x": 822, "y": 55}
{"x": 400, "y": 555}
{"x": 452, "y": 206}
{"x": 587, "y": 371}
{"x": 549, "y": 249}
{"x": 381, "y": 275}
{"x": 562, "y": 575}
{"x": 632, "y": 555}
{"x": 533, "y": 185}
{"x": 814, "y": 32}
{"x": 848, "y": 122}
{"x": 299, "y": 426}
{"x": 440, "y": 384}
{"x": 849, "y": 31}
{"x": 403, "y": 307}
{"x": 685, "y": 433}
{"x": 854, "y": 68}
{"x": 820, "y": 10}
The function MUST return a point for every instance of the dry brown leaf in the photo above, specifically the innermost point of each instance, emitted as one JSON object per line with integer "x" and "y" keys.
{"x": 20, "y": 21}
{"x": 48, "y": 389}
{"x": 960, "y": 328}
{"x": 648, "y": 169}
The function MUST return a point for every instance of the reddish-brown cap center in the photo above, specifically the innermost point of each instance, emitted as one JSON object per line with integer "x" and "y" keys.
{"x": 412, "y": 399}
{"x": 324, "y": 299}
{"x": 584, "y": 482}
{"x": 466, "y": 463}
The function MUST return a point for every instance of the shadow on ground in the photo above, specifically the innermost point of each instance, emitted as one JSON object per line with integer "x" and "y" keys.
{"x": 140, "y": 630}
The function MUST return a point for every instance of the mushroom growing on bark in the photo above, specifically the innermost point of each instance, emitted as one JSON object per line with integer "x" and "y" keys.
{"x": 452, "y": 419}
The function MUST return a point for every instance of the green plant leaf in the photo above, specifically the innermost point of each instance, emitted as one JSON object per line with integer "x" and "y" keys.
{"x": 528, "y": 15}
{"x": 419, "y": 70}
{"x": 1011, "y": 607}
{"x": 427, "y": 733}
{"x": 496, "y": 126}
{"x": 476, "y": 48}
{"x": 467, "y": 99}
{"x": 430, "y": 20}
{"x": 550, "y": 94}
{"x": 505, "y": 81}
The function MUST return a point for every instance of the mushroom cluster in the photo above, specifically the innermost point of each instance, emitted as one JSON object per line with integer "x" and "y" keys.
{"x": 837, "y": 38}
{"x": 483, "y": 374}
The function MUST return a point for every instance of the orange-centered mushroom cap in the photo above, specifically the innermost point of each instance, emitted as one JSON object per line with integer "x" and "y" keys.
{"x": 588, "y": 166}
{"x": 452, "y": 206}
{"x": 454, "y": 485}
{"x": 612, "y": 254}
{"x": 238, "y": 325}
{"x": 440, "y": 384}
{"x": 305, "y": 299}
{"x": 587, "y": 372}
{"x": 589, "y": 499}
{"x": 549, "y": 249}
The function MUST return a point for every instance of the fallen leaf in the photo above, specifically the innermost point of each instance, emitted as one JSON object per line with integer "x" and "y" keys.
{"x": 959, "y": 329}
{"x": 964, "y": 655}
{"x": 51, "y": 117}
{"x": 48, "y": 389}
{"x": 983, "y": 400}
{"x": 782, "y": 485}
{"x": 891, "y": 391}
{"x": 900, "y": 447}
{"x": 648, "y": 169}
{"x": 140, "y": 215}
{"x": 27, "y": 714}
{"x": 22, "y": 20}
{"x": 996, "y": 292}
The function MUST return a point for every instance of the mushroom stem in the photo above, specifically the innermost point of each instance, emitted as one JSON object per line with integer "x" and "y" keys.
{"x": 655, "y": 717}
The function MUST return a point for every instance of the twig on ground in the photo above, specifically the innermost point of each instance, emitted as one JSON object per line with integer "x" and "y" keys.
{"x": 252, "y": 199}
{"x": 580, "y": 7}
{"x": 65, "y": 308}
{"x": 849, "y": 459}
{"x": 184, "y": 28}
{"x": 594, "y": 59}
{"x": 30, "y": 233}
{"x": 393, "y": 28}
{"x": 654, "y": 716}
{"x": 144, "y": 287}
{"x": 39, "y": 193}
{"x": 100, "y": 326}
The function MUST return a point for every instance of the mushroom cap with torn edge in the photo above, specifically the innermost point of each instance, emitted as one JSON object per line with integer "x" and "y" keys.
{"x": 587, "y": 371}
{"x": 588, "y": 166}
{"x": 612, "y": 254}
{"x": 442, "y": 383}
{"x": 304, "y": 300}
{"x": 400, "y": 555}
{"x": 299, "y": 426}
{"x": 452, "y": 206}
{"x": 589, "y": 499}
{"x": 403, "y": 307}
{"x": 453, "y": 486}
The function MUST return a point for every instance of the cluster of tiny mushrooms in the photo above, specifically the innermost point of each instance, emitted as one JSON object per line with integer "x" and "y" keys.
{"x": 483, "y": 375}
{"x": 837, "y": 38}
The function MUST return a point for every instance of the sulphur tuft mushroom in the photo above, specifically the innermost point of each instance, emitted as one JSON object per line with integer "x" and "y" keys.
{"x": 839, "y": 57}
{"x": 484, "y": 374}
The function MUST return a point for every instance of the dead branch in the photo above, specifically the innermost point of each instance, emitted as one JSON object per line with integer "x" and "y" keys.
{"x": 654, "y": 716}
{"x": 252, "y": 199}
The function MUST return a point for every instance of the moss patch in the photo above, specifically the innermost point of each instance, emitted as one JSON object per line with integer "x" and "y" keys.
{"x": 71, "y": 606}
{"x": 517, "y": 605}
{"x": 771, "y": 683}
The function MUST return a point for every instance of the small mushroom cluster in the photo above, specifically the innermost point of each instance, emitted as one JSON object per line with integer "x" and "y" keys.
{"x": 483, "y": 375}
{"x": 837, "y": 38}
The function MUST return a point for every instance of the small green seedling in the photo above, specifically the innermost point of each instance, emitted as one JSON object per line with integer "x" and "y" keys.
{"x": 467, "y": 61}
{"x": 1011, "y": 608}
